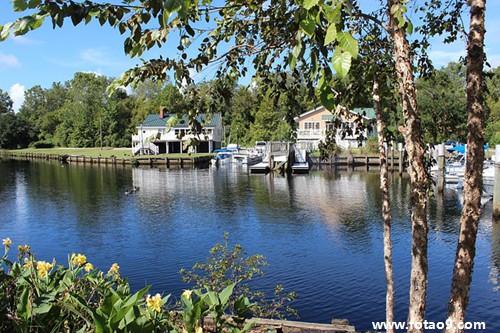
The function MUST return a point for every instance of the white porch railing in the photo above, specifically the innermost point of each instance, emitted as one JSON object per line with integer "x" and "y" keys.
{"x": 310, "y": 134}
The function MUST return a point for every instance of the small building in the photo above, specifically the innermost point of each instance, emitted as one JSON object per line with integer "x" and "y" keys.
{"x": 158, "y": 135}
{"x": 313, "y": 125}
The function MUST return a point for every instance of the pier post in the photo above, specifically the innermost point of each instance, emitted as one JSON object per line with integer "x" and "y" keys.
{"x": 496, "y": 187}
{"x": 392, "y": 156}
{"x": 401, "y": 157}
{"x": 441, "y": 169}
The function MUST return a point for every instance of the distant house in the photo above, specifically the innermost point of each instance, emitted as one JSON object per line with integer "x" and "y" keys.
{"x": 154, "y": 137}
{"x": 313, "y": 125}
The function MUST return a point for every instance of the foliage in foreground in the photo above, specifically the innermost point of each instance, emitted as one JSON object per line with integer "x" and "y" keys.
{"x": 38, "y": 296}
{"x": 226, "y": 266}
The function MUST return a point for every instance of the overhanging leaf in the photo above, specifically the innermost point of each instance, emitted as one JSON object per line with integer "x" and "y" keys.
{"x": 327, "y": 98}
{"x": 19, "y": 5}
{"x": 308, "y": 4}
{"x": 5, "y": 30}
{"x": 331, "y": 34}
{"x": 348, "y": 43}
{"x": 308, "y": 25}
{"x": 341, "y": 62}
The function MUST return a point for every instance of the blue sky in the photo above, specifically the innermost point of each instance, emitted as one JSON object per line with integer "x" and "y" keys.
{"x": 46, "y": 55}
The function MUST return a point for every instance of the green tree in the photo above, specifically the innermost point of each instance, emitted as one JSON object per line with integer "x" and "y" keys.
{"x": 83, "y": 111}
{"x": 242, "y": 115}
{"x": 443, "y": 104}
{"x": 41, "y": 107}
{"x": 492, "y": 103}
{"x": 114, "y": 122}
{"x": 14, "y": 131}
{"x": 6, "y": 104}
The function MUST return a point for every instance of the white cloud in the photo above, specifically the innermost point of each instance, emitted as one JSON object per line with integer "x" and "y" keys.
{"x": 97, "y": 57}
{"x": 17, "y": 95}
{"x": 25, "y": 40}
{"x": 9, "y": 60}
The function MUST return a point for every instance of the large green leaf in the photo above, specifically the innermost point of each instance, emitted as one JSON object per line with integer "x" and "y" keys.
{"x": 308, "y": 4}
{"x": 226, "y": 293}
{"x": 23, "y": 307}
{"x": 341, "y": 62}
{"x": 19, "y": 5}
{"x": 308, "y": 25}
{"x": 327, "y": 98}
{"x": 333, "y": 15}
{"x": 348, "y": 43}
{"x": 326, "y": 93}
{"x": 331, "y": 34}
{"x": 5, "y": 31}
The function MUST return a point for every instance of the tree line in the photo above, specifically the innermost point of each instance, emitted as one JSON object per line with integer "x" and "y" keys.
{"x": 80, "y": 112}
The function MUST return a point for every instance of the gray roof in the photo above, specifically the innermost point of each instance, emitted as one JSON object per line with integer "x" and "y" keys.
{"x": 154, "y": 120}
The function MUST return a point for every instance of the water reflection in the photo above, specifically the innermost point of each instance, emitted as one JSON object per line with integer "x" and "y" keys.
{"x": 321, "y": 233}
{"x": 495, "y": 255}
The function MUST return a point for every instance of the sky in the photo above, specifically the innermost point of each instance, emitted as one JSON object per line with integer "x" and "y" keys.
{"x": 48, "y": 55}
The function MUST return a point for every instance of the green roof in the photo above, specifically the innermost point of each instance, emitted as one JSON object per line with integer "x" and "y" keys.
{"x": 154, "y": 120}
{"x": 366, "y": 112}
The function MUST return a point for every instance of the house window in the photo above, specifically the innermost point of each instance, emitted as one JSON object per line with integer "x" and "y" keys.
{"x": 311, "y": 125}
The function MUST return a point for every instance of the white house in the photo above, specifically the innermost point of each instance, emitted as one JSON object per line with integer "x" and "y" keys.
{"x": 313, "y": 125}
{"x": 154, "y": 137}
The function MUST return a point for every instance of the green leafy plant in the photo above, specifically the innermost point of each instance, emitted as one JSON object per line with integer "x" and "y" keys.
{"x": 38, "y": 296}
{"x": 228, "y": 265}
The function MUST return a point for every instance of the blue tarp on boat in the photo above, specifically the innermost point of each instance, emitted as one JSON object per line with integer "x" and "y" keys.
{"x": 461, "y": 149}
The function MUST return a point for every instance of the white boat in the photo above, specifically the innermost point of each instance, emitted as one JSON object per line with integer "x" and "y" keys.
{"x": 247, "y": 157}
{"x": 222, "y": 158}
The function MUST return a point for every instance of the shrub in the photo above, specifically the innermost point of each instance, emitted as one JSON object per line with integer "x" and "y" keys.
{"x": 227, "y": 265}
{"x": 372, "y": 144}
{"x": 43, "y": 144}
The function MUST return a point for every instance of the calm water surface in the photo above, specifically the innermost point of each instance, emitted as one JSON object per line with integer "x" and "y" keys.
{"x": 321, "y": 233}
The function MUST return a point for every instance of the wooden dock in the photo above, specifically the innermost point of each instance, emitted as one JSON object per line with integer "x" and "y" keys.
{"x": 300, "y": 167}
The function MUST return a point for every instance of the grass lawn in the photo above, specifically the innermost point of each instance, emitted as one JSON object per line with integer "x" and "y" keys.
{"x": 95, "y": 152}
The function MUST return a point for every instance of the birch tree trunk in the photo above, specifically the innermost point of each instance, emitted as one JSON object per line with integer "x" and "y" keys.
{"x": 473, "y": 178}
{"x": 417, "y": 170}
{"x": 386, "y": 208}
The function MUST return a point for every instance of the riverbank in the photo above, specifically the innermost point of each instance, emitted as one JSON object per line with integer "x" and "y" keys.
{"x": 114, "y": 156}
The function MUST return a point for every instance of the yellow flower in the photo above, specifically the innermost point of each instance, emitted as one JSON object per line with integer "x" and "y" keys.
{"x": 114, "y": 269}
{"x": 27, "y": 263}
{"x": 88, "y": 267}
{"x": 187, "y": 294}
{"x": 78, "y": 260}
{"x": 7, "y": 242}
{"x": 154, "y": 303}
{"x": 23, "y": 249}
{"x": 42, "y": 267}
{"x": 198, "y": 330}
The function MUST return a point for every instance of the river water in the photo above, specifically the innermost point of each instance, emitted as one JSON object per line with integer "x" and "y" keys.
{"x": 321, "y": 233}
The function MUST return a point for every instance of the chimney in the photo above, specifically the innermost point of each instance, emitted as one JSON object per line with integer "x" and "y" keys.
{"x": 162, "y": 113}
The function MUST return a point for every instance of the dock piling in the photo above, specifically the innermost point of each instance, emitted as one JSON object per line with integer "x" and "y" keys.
{"x": 401, "y": 156}
{"x": 496, "y": 186}
{"x": 441, "y": 168}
